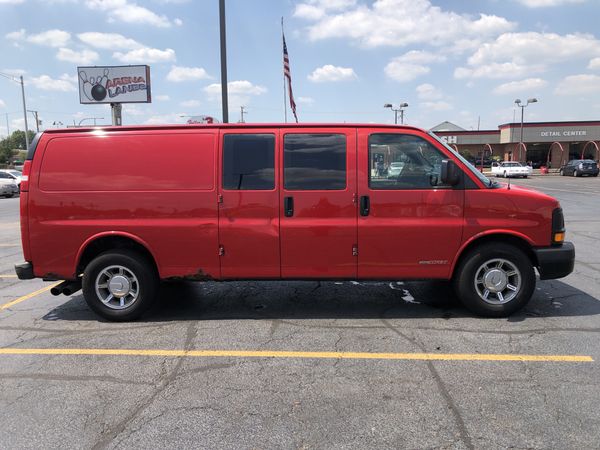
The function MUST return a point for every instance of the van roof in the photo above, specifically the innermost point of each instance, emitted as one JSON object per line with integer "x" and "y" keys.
{"x": 228, "y": 126}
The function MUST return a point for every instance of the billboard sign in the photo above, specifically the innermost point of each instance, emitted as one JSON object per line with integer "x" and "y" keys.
{"x": 114, "y": 84}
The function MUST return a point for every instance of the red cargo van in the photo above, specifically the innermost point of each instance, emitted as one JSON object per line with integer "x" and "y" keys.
{"x": 108, "y": 210}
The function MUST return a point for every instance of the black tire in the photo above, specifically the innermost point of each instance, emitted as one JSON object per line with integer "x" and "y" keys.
{"x": 146, "y": 284}
{"x": 464, "y": 279}
{"x": 8, "y": 196}
{"x": 524, "y": 176}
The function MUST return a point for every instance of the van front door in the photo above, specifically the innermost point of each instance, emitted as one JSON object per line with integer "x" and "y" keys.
{"x": 413, "y": 226}
{"x": 318, "y": 209}
{"x": 249, "y": 204}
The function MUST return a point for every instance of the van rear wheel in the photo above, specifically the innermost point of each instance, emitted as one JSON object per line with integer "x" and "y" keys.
{"x": 495, "y": 280}
{"x": 120, "y": 285}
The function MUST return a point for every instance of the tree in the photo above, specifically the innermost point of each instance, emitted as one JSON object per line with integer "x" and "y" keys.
{"x": 10, "y": 145}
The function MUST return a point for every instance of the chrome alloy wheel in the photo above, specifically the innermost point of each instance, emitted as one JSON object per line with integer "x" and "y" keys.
{"x": 497, "y": 281}
{"x": 117, "y": 287}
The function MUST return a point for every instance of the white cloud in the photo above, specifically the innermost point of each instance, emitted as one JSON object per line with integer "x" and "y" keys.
{"x": 543, "y": 3}
{"x": 18, "y": 35}
{"x": 578, "y": 84}
{"x": 178, "y": 74}
{"x": 497, "y": 71}
{"x": 2, "y": 104}
{"x": 162, "y": 98}
{"x": 528, "y": 86}
{"x": 166, "y": 118}
{"x": 190, "y": 104}
{"x": 81, "y": 57}
{"x": 49, "y": 38}
{"x": 332, "y": 73}
{"x": 436, "y": 106}
{"x": 428, "y": 91}
{"x": 240, "y": 93}
{"x": 411, "y": 65}
{"x": 396, "y": 23}
{"x": 241, "y": 87}
{"x": 305, "y": 100}
{"x": 517, "y": 55}
{"x": 11, "y": 2}
{"x": 145, "y": 55}
{"x": 44, "y": 82}
{"x": 594, "y": 64}
{"x": 108, "y": 41}
{"x": 128, "y": 12}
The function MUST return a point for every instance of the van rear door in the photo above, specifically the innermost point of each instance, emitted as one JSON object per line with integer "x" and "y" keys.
{"x": 249, "y": 204}
{"x": 318, "y": 210}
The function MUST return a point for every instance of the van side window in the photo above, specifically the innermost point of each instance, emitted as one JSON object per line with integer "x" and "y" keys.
{"x": 249, "y": 162}
{"x": 314, "y": 162}
{"x": 402, "y": 161}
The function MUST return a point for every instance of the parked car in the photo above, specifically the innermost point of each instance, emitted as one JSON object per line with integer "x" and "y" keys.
{"x": 511, "y": 169}
{"x": 580, "y": 167}
{"x": 14, "y": 174}
{"x": 277, "y": 202}
{"x": 8, "y": 186}
{"x": 395, "y": 169}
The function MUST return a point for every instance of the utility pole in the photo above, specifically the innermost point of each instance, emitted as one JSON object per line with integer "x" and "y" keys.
{"x": 25, "y": 114}
{"x": 20, "y": 80}
{"x": 224, "y": 96}
{"x": 242, "y": 114}
{"x": 7, "y": 127}
{"x": 37, "y": 121}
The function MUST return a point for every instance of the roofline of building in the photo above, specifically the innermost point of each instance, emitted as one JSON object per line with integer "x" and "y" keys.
{"x": 550, "y": 124}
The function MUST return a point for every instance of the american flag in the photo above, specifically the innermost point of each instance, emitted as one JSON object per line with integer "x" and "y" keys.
{"x": 286, "y": 74}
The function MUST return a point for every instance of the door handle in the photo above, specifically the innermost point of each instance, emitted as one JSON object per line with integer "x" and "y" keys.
{"x": 365, "y": 205}
{"x": 288, "y": 206}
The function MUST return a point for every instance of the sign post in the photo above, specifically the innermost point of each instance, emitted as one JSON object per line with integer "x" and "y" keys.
{"x": 114, "y": 85}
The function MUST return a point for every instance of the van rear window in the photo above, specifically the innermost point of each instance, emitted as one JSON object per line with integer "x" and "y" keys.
{"x": 249, "y": 162}
{"x": 129, "y": 162}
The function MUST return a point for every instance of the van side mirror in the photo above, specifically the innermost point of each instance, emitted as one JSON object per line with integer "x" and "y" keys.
{"x": 450, "y": 173}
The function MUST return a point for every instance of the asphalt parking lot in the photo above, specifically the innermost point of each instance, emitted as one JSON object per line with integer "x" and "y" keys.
{"x": 307, "y": 364}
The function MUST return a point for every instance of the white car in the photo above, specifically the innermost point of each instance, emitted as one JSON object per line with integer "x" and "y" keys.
{"x": 395, "y": 169}
{"x": 511, "y": 169}
{"x": 8, "y": 187}
{"x": 14, "y": 174}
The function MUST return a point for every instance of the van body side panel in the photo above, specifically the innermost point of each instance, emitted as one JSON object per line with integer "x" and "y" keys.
{"x": 318, "y": 240}
{"x": 249, "y": 220}
{"x": 408, "y": 233}
{"x": 519, "y": 213}
{"x": 93, "y": 183}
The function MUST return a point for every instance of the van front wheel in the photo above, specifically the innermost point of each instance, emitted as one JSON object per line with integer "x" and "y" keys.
{"x": 495, "y": 280}
{"x": 120, "y": 285}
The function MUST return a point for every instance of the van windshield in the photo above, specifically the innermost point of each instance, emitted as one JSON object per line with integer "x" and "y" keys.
{"x": 485, "y": 180}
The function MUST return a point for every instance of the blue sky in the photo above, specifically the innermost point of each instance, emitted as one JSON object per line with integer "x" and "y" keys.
{"x": 456, "y": 60}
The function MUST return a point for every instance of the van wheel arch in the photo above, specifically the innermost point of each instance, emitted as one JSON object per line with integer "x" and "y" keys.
{"x": 500, "y": 239}
{"x": 112, "y": 242}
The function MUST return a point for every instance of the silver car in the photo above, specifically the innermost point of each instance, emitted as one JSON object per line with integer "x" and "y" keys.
{"x": 14, "y": 174}
{"x": 8, "y": 186}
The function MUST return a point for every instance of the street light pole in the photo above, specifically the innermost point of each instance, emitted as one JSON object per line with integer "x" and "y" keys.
{"x": 37, "y": 121}
{"x": 520, "y": 105}
{"x": 400, "y": 108}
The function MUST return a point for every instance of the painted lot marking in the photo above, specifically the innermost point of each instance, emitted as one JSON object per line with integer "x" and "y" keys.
{"x": 8, "y": 276}
{"x": 28, "y": 296}
{"x": 293, "y": 354}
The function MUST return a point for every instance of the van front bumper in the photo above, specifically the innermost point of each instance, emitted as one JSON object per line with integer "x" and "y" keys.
{"x": 555, "y": 262}
{"x": 24, "y": 271}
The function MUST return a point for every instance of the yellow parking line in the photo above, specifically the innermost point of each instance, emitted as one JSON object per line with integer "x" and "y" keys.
{"x": 294, "y": 354}
{"x": 28, "y": 296}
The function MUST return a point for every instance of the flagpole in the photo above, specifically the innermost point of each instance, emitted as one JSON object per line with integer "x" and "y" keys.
{"x": 284, "y": 93}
